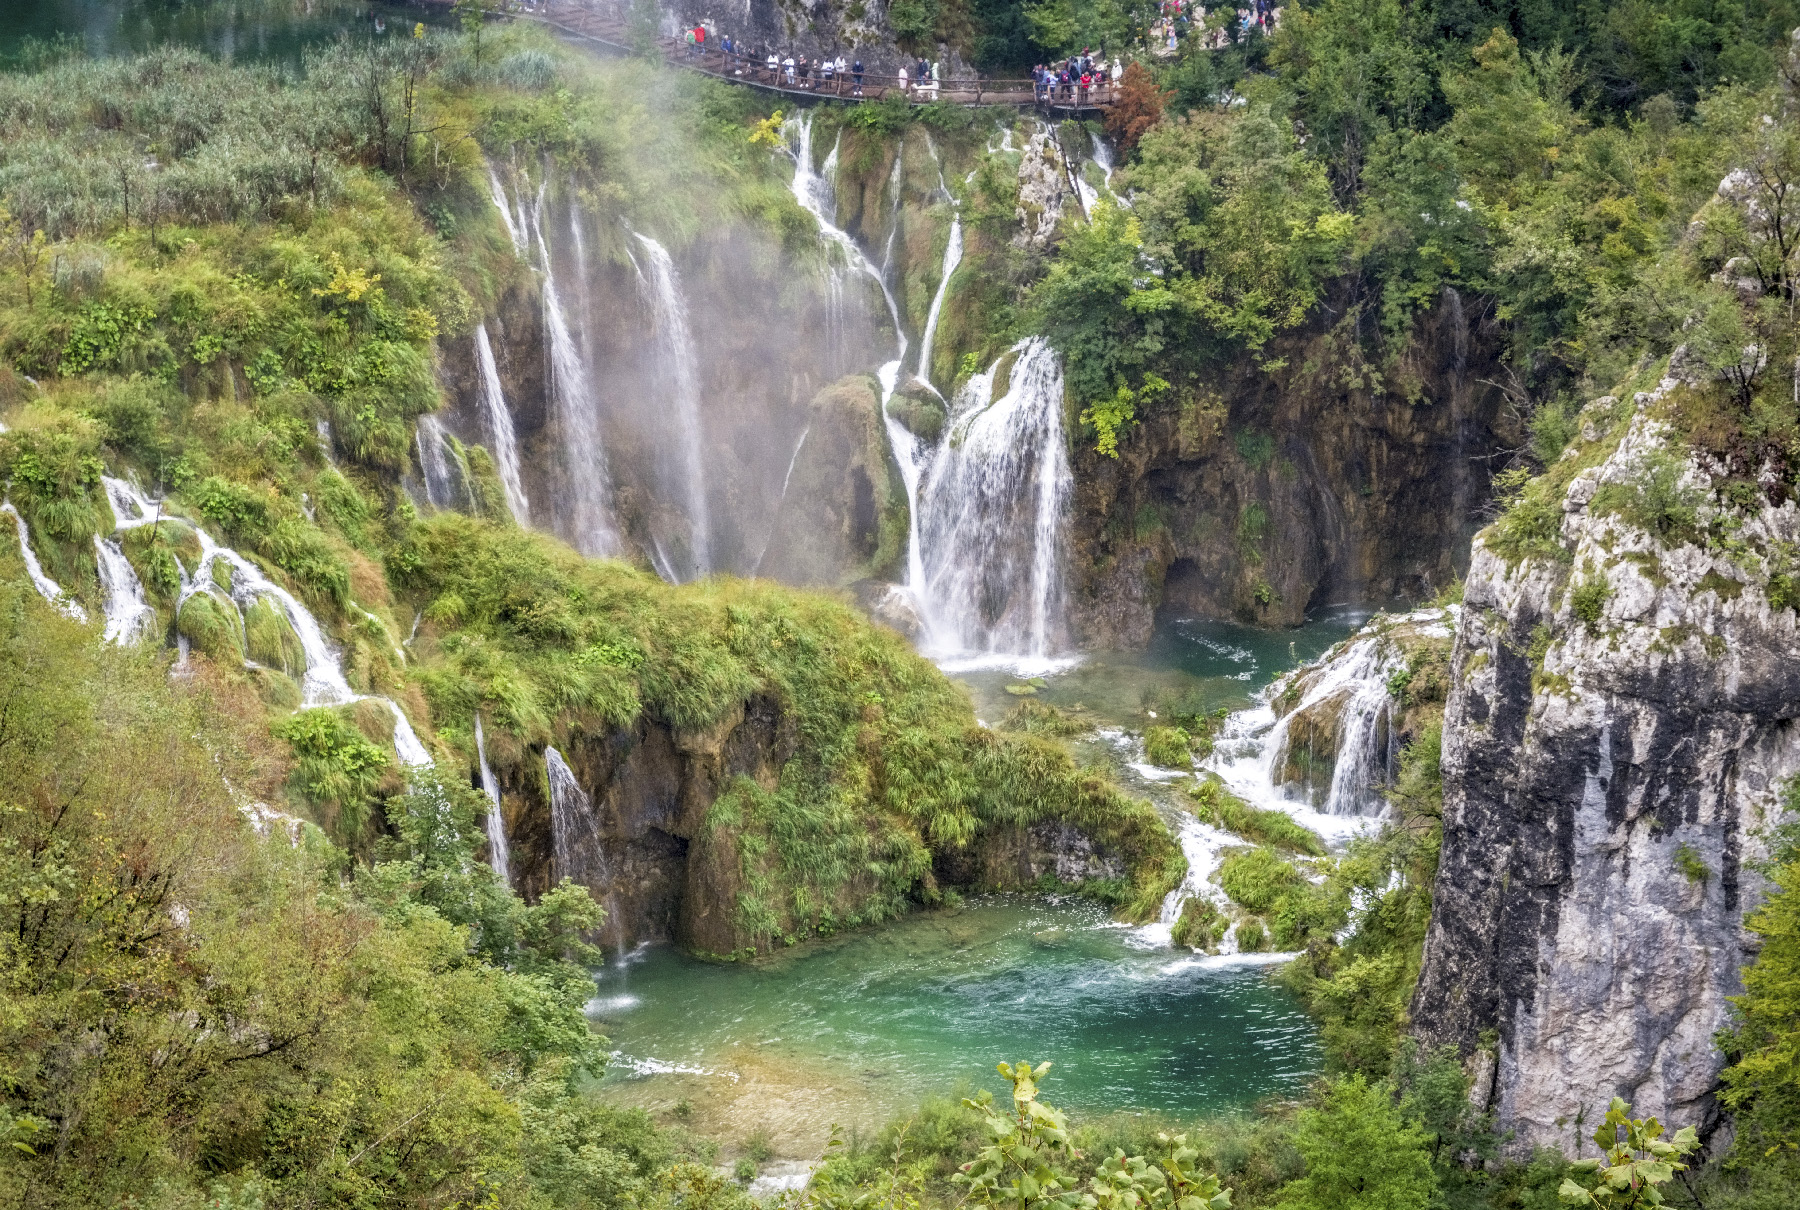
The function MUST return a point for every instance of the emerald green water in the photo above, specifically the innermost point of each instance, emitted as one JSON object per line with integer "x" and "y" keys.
{"x": 259, "y": 30}
{"x": 939, "y": 998}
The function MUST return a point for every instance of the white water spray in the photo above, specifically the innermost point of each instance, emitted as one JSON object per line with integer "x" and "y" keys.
{"x": 678, "y": 363}
{"x": 991, "y": 515}
{"x": 439, "y": 467}
{"x": 129, "y": 617}
{"x": 575, "y": 406}
{"x": 498, "y": 856}
{"x": 572, "y": 825}
{"x": 47, "y": 588}
{"x": 953, "y": 251}
{"x": 500, "y": 428}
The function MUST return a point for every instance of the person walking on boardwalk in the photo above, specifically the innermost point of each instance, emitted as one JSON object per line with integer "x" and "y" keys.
{"x": 856, "y": 70}
{"x": 773, "y": 67}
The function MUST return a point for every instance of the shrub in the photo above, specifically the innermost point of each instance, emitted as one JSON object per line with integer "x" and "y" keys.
{"x": 1588, "y": 602}
{"x": 1199, "y": 925}
{"x": 1256, "y": 878}
{"x": 1167, "y": 747}
{"x": 1265, "y": 826}
{"x": 1361, "y": 1154}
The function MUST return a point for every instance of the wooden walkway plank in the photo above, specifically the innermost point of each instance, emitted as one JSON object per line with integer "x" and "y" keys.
{"x": 588, "y": 24}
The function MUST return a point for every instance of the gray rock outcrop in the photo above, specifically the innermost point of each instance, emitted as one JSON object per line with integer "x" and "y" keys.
{"x": 1620, "y": 723}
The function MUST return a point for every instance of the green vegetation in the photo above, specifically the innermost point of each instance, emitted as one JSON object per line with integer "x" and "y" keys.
{"x": 1216, "y": 805}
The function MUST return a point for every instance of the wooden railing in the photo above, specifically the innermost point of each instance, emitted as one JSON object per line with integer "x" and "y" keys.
{"x": 608, "y": 29}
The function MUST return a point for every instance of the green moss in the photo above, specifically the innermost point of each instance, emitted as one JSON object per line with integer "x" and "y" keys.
{"x": 891, "y": 767}
{"x": 1256, "y": 878}
{"x": 1041, "y": 718}
{"x": 211, "y": 625}
{"x": 1216, "y": 805}
{"x": 270, "y": 640}
{"x": 1167, "y": 747}
{"x": 1252, "y": 938}
{"x": 1199, "y": 926}
{"x": 1724, "y": 587}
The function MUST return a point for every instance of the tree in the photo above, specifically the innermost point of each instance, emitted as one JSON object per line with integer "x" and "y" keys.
{"x": 1361, "y": 1154}
{"x": 1139, "y": 106}
{"x": 472, "y": 16}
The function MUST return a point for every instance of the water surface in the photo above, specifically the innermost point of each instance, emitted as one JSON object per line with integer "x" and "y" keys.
{"x": 939, "y": 998}
{"x": 248, "y": 30}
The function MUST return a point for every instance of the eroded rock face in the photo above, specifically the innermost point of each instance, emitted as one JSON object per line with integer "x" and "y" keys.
{"x": 1606, "y": 779}
{"x": 1272, "y": 493}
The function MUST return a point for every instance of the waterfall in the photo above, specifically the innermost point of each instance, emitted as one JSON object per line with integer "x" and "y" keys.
{"x": 775, "y": 513}
{"x": 515, "y": 228}
{"x": 590, "y": 523}
{"x": 991, "y": 515}
{"x": 128, "y": 616}
{"x": 818, "y": 198}
{"x": 439, "y": 468}
{"x": 47, "y": 588}
{"x": 496, "y": 824}
{"x": 572, "y": 824}
{"x": 680, "y": 469}
{"x": 500, "y": 428}
{"x": 1354, "y": 685}
{"x": 953, "y": 251}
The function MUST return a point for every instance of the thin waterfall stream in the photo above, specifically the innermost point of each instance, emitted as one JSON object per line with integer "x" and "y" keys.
{"x": 500, "y": 427}
{"x": 498, "y": 856}
{"x": 681, "y": 450}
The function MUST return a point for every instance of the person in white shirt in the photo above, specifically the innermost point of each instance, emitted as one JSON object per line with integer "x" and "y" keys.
{"x": 788, "y": 66}
{"x": 902, "y": 81}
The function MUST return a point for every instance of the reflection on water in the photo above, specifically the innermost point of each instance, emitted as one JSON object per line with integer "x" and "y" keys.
{"x": 941, "y": 997}
{"x": 260, "y": 30}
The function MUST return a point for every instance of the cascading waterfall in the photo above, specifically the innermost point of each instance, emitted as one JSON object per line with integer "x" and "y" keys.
{"x": 498, "y": 856}
{"x": 47, "y": 588}
{"x": 500, "y": 428}
{"x": 323, "y": 683}
{"x": 515, "y": 227}
{"x": 680, "y": 468}
{"x": 991, "y": 516}
{"x": 953, "y": 251}
{"x": 574, "y": 839}
{"x": 129, "y": 617}
{"x": 439, "y": 468}
{"x": 1358, "y": 680}
{"x": 818, "y": 198}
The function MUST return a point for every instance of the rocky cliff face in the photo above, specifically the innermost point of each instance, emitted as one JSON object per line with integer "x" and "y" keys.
{"x": 1622, "y": 713}
{"x": 1286, "y": 491}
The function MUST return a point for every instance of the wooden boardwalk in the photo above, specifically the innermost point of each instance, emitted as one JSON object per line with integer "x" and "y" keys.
{"x": 602, "y": 27}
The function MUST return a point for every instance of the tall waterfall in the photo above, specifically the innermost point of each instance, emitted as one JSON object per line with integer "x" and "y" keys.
{"x": 47, "y": 588}
{"x": 500, "y": 427}
{"x": 574, "y": 836}
{"x": 681, "y": 447}
{"x": 128, "y": 616}
{"x": 498, "y": 856}
{"x": 587, "y": 521}
{"x": 991, "y": 512}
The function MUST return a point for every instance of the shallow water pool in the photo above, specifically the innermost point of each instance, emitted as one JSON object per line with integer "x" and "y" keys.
{"x": 913, "y": 1008}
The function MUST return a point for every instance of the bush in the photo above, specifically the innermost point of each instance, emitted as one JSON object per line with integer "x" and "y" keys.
{"x": 1360, "y": 1153}
{"x": 1216, "y": 805}
{"x": 1167, "y": 747}
{"x": 1256, "y": 879}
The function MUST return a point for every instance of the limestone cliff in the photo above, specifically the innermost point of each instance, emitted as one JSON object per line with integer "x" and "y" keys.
{"x": 1622, "y": 711}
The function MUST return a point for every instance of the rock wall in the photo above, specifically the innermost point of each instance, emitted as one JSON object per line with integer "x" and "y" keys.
{"x": 1619, "y": 722}
{"x": 1278, "y": 493}
{"x": 813, "y": 28}
{"x": 650, "y": 857}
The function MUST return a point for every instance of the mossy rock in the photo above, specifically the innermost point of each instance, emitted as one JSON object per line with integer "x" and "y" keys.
{"x": 1199, "y": 926}
{"x": 277, "y": 689}
{"x": 1252, "y": 938}
{"x": 920, "y": 412}
{"x": 1167, "y": 748}
{"x": 159, "y": 556}
{"x": 212, "y": 626}
{"x": 270, "y": 640}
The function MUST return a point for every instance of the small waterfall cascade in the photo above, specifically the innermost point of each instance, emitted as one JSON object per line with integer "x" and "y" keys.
{"x": 440, "y": 470}
{"x": 991, "y": 512}
{"x": 496, "y": 824}
{"x": 953, "y": 251}
{"x": 574, "y": 836}
{"x": 681, "y": 453}
{"x": 500, "y": 427}
{"x": 47, "y": 588}
{"x": 129, "y": 617}
{"x": 817, "y": 196}
{"x": 515, "y": 225}
{"x": 323, "y": 683}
